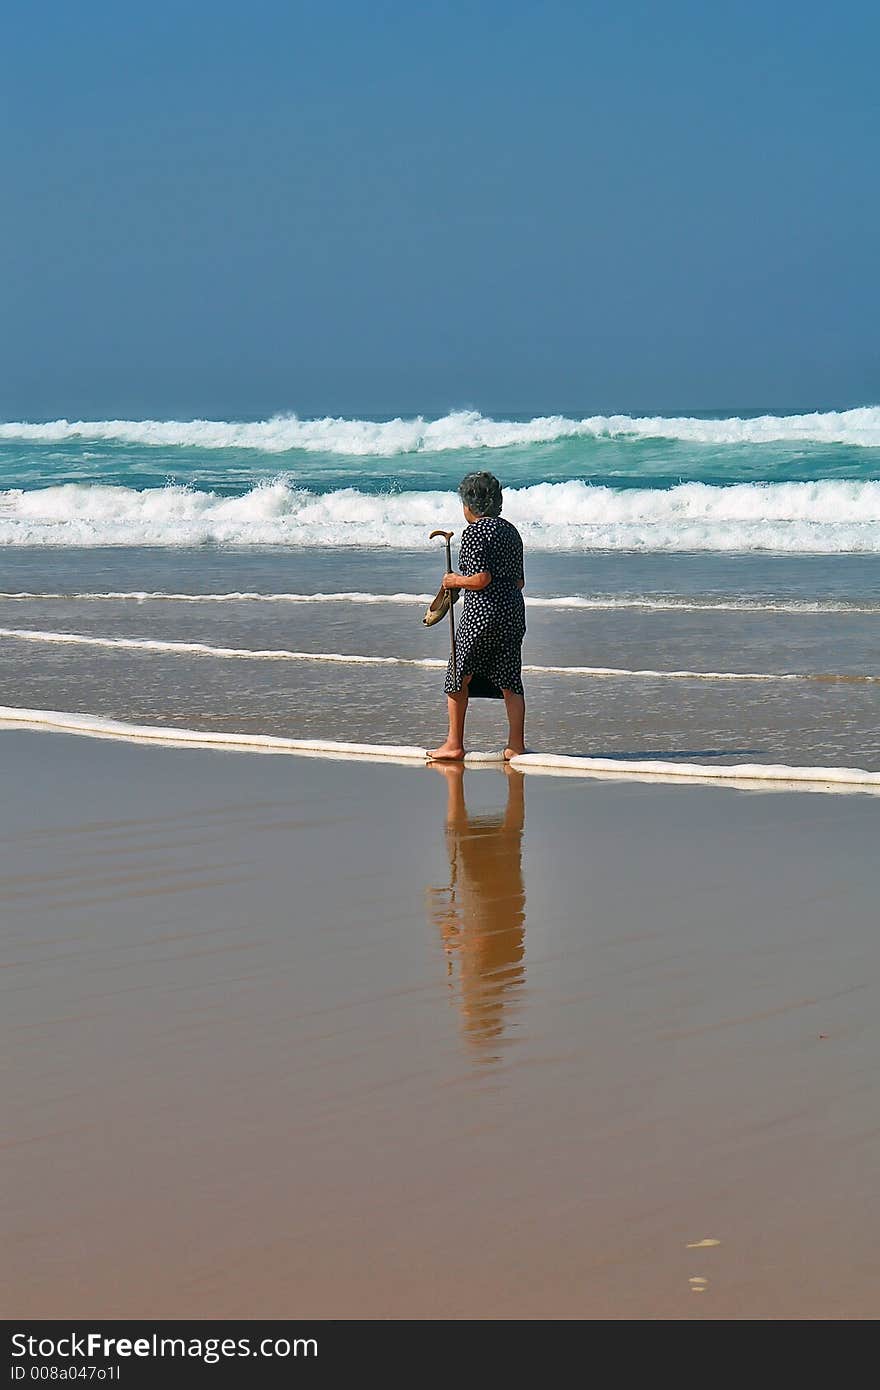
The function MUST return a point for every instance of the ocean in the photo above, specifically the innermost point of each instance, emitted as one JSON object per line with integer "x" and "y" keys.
{"x": 702, "y": 589}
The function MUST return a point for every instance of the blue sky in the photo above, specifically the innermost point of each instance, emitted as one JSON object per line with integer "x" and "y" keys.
{"x": 233, "y": 209}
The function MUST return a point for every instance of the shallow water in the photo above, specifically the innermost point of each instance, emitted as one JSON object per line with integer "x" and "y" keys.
{"x": 648, "y": 708}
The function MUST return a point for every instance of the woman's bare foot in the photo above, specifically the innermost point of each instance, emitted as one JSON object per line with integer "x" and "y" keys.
{"x": 513, "y": 752}
{"x": 447, "y": 752}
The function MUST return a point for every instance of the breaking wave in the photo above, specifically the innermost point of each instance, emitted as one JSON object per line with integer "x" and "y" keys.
{"x": 462, "y": 429}
{"x": 820, "y": 517}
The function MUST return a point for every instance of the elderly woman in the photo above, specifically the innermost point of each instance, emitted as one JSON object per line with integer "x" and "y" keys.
{"x": 493, "y": 624}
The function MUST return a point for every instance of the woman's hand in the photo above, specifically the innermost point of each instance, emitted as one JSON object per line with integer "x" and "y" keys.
{"x": 467, "y": 581}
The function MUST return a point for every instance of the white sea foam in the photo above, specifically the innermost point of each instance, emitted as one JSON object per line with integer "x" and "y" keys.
{"x": 827, "y": 517}
{"x": 737, "y": 774}
{"x": 94, "y": 726}
{"x": 461, "y": 429}
{"x": 199, "y": 649}
{"x": 150, "y": 644}
{"x": 757, "y": 775}
{"x": 562, "y": 602}
{"x": 236, "y": 596}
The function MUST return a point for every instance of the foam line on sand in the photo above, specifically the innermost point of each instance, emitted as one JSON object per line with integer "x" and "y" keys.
{"x": 94, "y": 726}
{"x": 755, "y": 775}
{"x": 697, "y": 772}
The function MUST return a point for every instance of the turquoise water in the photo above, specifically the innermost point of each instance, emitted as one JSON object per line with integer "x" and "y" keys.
{"x": 799, "y": 483}
{"x": 605, "y": 462}
{"x": 702, "y": 588}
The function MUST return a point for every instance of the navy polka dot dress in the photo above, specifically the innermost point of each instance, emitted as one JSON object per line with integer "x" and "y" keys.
{"x": 493, "y": 622}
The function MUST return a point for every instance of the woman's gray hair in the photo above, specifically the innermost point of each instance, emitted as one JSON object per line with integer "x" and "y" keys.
{"x": 481, "y": 494}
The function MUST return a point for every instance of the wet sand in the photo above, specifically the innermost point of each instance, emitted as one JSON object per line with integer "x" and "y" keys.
{"x": 293, "y": 1037}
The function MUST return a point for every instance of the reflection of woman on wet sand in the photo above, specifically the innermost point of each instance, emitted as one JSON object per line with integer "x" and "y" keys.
{"x": 481, "y": 915}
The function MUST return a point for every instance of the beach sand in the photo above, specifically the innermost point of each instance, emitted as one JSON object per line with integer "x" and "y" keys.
{"x": 289, "y": 1037}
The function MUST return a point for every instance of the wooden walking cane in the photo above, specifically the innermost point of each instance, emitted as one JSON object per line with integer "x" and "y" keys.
{"x": 447, "y": 536}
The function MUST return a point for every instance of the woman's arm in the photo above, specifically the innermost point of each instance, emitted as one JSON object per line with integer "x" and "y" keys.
{"x": 467, "y": 581}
